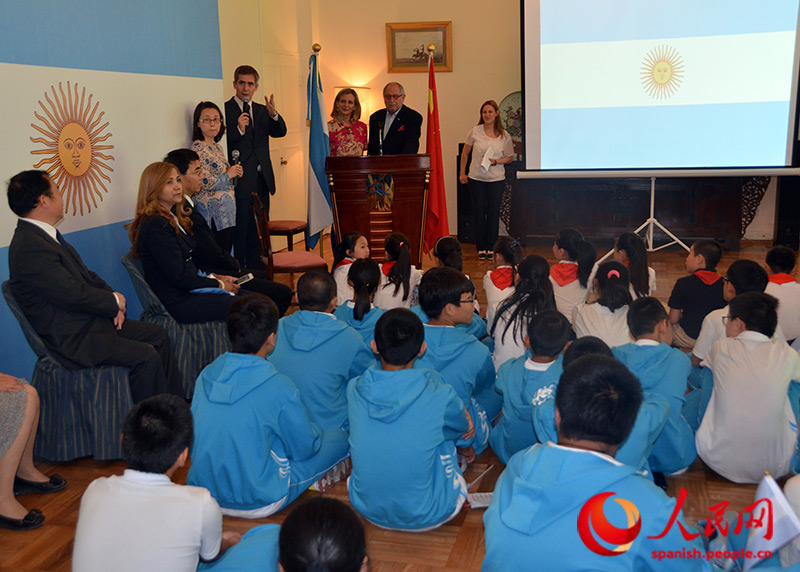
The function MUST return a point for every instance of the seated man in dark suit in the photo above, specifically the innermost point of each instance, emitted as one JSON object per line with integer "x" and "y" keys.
{"x": 208, "y": 256}
{"x": 80, "y": 318}
{"x": 394, "y": 130}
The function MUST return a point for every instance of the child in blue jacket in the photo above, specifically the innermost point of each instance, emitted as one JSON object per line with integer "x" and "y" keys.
{"x": 404, "y": 422}
{"x": 526, "y": 379}
{"x": 445, "y": 295}
{"x": 254, "y": 446}
{"x": 663, "y": 370}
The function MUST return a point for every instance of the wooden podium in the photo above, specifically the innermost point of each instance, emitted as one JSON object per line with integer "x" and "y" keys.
{"x": 378, "y": 195}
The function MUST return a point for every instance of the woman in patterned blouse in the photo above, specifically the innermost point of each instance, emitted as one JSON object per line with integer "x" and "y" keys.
{"x": 216, "y": 201}
{"x": 347, "y": 134}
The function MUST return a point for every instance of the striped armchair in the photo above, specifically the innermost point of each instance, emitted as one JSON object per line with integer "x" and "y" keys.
{"x": 82, "y": 411}
{"x": 195, "y": 345}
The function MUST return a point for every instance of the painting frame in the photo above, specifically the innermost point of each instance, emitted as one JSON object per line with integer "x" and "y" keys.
{"x": 406, "y": 44}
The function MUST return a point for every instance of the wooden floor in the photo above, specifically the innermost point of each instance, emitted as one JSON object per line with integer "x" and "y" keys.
{"x": 456, "y": 546}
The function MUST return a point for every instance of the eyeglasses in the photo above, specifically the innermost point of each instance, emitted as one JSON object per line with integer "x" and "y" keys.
{"x": 726, "y": 319}
{"x": 467, "y": 301}
{"x": 393, "y": 96}
{"x": 210, "y": 120}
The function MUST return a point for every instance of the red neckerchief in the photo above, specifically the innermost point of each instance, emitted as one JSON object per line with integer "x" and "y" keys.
{"x": 708, "y": 277}
{"x": 781, "y": 278}
{"x": 627, "y": 263}
{"x": 345, "y": 262}
{"x": 502, "y": 277}
{"x": 386, "y": 267}
{"x": 564, "y": 273}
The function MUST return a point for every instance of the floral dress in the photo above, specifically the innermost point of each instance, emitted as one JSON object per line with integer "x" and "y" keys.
{"x": 216, "y": 201}
{"x": 347, "y": 141}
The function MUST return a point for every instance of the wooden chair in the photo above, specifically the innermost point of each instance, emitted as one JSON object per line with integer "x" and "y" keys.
{"x": 280, "y": 262}
{"x": 289, "y": 228}
{"x": 195, "y": 345}
{"x": 82, "y": 410}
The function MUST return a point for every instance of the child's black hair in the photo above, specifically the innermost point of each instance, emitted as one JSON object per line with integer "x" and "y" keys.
{"x": 533, "y": 294}
{"x": 757, "y": 310}
{"x": 322, "y": 534}
{"x": 598, "y": 399}
{"x": 509, "y": 250}
{"x": 644, "y": 314}
{"x": 398, "y": 249}
{"x": 399, "y": 334}
{"x": 348, "y": 242}
{"x": 747, "y": 276}
{"x": 155, "y": 433}
{"x": 448, "y": 250}
{"x": 584, "y": 346}
{"x": 365, "y": 274}
{"x": 548, "y": 333}
{"x": 579, "y": 250}
{"x": 711, "y": 251}
{"x": 440, "y": 287}
{"x": 633, "y": 247}
{"x": 251, "y": 320}
{"x": 315, "y": 290}
{"x": 612, "y": 281}
{"x": 781, "y": 259}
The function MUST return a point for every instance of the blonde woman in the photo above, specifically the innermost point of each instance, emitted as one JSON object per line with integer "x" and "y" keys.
{"x": 348, "y": 135}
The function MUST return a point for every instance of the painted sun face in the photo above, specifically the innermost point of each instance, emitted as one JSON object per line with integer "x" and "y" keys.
{"x": 72, "y": 137}
{"x": 662, "y": 72}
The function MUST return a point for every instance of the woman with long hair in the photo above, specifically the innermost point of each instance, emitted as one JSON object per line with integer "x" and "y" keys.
{"x": 161, "y": 237}
{"x": 533, "y": 293}
{"x": 492, "y": 149}
{"x": 348, "y": 135}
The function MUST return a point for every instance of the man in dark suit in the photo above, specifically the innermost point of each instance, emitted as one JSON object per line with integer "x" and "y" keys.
{"x": 80, "y": 318}
{"x": 394, "y": 130}
{"x": 250, "y": 125}
{"x": 208, "y": 256}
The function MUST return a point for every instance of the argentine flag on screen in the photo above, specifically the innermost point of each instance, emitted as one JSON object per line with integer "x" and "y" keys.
{"x": 685, "y": 83}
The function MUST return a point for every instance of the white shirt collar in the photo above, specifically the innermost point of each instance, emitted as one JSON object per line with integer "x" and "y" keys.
{"x": 646, "y": 343}
{"x": 188, "y": 198}
{"x": 751, "y": 336}
{"x": 536, "y": 366}
{"x": 146, "y": 478}
{"x": 48, "y": 228}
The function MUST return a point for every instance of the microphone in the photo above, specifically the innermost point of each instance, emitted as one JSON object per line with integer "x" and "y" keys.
{"x": 246, "y": 105}
{"x": 235, "y": 157}
{"x": 380, "y": 138}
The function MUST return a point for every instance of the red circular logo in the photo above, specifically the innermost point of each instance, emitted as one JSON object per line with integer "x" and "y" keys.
{"x": 592, "y": 522}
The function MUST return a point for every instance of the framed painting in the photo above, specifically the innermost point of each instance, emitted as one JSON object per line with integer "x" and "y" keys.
{"x": 406, "y": 46}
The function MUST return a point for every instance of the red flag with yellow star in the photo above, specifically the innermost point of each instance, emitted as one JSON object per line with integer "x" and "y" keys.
{"x": 436, "y": 211}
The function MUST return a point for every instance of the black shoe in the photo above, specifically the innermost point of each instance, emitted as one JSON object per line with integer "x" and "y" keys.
{"x": 34, "y": 519}
{"x": 24, "y": 487}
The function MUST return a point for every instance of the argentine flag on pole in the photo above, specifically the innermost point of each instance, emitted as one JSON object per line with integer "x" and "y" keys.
{"x": 319, "y": 196}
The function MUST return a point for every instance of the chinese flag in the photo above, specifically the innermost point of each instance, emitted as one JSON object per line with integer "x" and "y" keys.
{"x": 436, "y": 211}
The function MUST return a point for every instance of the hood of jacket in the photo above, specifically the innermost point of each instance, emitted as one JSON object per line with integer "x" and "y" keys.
{"x": 232, "y": 376}
{"x": 388, "y": 394}
{"x": 306, "y": 330}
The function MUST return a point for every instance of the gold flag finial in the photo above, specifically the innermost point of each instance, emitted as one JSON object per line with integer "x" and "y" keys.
{"x": 431, "y": 48}
{"x": 316, "y": 48}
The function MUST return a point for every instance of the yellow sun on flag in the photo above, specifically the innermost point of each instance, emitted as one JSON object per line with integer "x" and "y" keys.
{"x": 72, "y": 141}
{"x": 662, "y": 72}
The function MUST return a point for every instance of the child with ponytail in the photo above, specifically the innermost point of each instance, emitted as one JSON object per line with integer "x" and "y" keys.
{"x": 498, "y": 284}
{"x": 607, "y": 317}
{"x": 399, "y": 279}
{"x": 570, "y": 275}
{"x": 363, "y": 277}
{"x": 353, "y": 246}
{"x": 631, "y": 251}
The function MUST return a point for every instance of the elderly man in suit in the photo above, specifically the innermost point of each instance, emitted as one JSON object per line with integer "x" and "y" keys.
{"x": 394, "y": 130}
{"x": 80, "y": 318}
{"x": 250, "y": 125}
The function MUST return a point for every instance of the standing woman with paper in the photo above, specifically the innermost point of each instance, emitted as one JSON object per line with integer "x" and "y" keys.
{"x": 491, "y": 148}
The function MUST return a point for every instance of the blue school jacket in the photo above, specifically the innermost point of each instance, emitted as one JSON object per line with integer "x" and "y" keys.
{"x": 665, "y": 371}
{"x": 257, "y": 550}
{"x": 249, "y": 425}
{"x": 320, "y": 354}
{"x": 403, "y": 427}
{"x": 531, "y": 523}
{"x": 465, "y": 364}
{"x": 365, "y": 326}
{"x": 635, "y": 450}
{"x": 520, "y": 388}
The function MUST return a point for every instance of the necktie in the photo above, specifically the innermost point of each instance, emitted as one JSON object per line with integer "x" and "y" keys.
{"x": 60, "y": 238}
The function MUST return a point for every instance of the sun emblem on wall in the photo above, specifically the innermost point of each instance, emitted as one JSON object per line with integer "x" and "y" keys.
{"x": 72, "y": 145}
{"x": 662, "y": 72}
